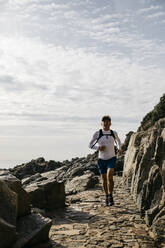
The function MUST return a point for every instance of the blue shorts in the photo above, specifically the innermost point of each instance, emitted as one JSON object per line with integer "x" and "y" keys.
{"x": 104, "y": 165}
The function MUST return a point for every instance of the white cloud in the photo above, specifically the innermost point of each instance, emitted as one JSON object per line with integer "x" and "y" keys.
{"x": 56, "y": 80}
{"x": 155, "y": 15}
{"x": 151, "y": 8}
{"x": 63, "y": 66}
{"x": 105, "y": 18}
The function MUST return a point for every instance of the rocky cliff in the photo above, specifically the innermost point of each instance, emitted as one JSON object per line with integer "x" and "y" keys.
{"x": 144, "y": 174}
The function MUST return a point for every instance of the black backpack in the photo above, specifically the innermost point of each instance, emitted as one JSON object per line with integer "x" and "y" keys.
{"x": 111, "y": 134}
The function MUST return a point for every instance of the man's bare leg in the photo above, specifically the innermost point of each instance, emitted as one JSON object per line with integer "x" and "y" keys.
{"x": 110, "y": 184}
{"x": 105, "y": 186}
{"x": 104, "y": 183}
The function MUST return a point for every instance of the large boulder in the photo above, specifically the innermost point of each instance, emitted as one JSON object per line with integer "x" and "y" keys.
{"x": 8, "y": 215}
{"x": 23, "y": 200}
{"x": 8, "y": 204}
{"x": 46, "y": 194}
{"x": 32, "y": 230}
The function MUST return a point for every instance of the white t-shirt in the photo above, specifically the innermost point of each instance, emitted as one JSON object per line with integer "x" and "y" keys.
{"x": 106, "y": 140}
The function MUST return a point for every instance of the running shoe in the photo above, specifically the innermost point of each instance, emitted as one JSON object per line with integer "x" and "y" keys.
{"x": 111, "y": 201}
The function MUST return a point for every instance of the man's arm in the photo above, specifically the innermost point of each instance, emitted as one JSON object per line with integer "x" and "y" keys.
{"x": 93, "y": 140}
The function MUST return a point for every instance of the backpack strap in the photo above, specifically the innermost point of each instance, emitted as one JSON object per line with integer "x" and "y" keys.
{"x": 100, "y": 135}
{"x": 113, "y": 135}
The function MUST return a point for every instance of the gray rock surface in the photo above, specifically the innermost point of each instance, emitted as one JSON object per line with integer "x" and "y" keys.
{"x": 46, "y": 194}
{"x": 23, "y": 201}
{"x": 8, "y": 204}
{"x": 81, "y": 183}
{"x": 8, "y": 234}
{"x": 32, "y": 229}
{"x": 144, "y": 173}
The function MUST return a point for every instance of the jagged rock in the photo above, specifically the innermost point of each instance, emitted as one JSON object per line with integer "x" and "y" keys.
{"x": 80, "y": 183}
{"x": 8, "y": 215}
{"x": 78, "y": 169}
{"x": 127, "y": 178}
{"x": 154, "y": 191}
{"x": 8, "y": 204}
{"x": 158, "y": 225}
{"x": 145, "y": 162}
{"x": 40, "y": 160}
{"x": 8, "y": 234}
{"x": 126, "y": 142}
{"x": 47, "y": 194}
{"x": 32, "y": 229}
{"x": 59, "y": 174}
{"x": 156, "y": 114}
{"x": 34, "y": 166}
{"x": 151, "y": 213}
{"x": 30, "y": 179}
{"x": 23, "y": 201}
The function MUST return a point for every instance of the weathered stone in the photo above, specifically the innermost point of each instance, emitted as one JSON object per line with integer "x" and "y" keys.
{"x": 23, "y": 201}
{"x": 47, "y": 194}
{"x": 81, "y": 183}
{"x": 58, "y": 174}
{"x": 32, "y": 229}
{"x": 126, "y": 142}
{"x": 8, "y": 234}
{"x": 158, "y": 225}
{"x": 150, "y": 214}
{"x": 144, "y": 165}
{"x": 154, "y": 191}
{"x": 8, "y": 204}
{"x": 31, "y": 179}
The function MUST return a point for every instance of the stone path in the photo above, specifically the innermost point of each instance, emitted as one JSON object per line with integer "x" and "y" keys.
{"x": 86, "y": 222}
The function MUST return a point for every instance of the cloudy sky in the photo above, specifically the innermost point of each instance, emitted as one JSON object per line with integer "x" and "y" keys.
{"x": 66, "y": 63}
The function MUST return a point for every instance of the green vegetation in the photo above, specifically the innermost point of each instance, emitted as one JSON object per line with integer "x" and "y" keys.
{"x": 153, "y": 116}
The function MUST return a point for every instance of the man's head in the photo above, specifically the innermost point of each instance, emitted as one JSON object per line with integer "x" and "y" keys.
{"x": 106, "y": 122}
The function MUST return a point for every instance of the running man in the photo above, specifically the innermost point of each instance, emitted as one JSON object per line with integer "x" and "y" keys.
{"x": 107, "y": 157}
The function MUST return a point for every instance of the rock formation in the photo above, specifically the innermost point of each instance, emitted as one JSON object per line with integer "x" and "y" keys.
{"x": 18, "y": 226}
{"x": 144, "y": 174}
{"x": 46, "y": 194}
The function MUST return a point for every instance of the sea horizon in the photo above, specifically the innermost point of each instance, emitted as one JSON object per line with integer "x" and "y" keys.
{"x": 7, "y": 164}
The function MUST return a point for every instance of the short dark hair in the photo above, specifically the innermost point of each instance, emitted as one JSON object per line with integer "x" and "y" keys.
{"x": 106, "y": 118}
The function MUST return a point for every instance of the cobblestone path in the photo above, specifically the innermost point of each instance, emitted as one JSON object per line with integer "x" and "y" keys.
{"x": 86, "y": 222}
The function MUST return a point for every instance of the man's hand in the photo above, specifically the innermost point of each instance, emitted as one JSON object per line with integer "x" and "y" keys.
{"x": 101, "y": 148}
